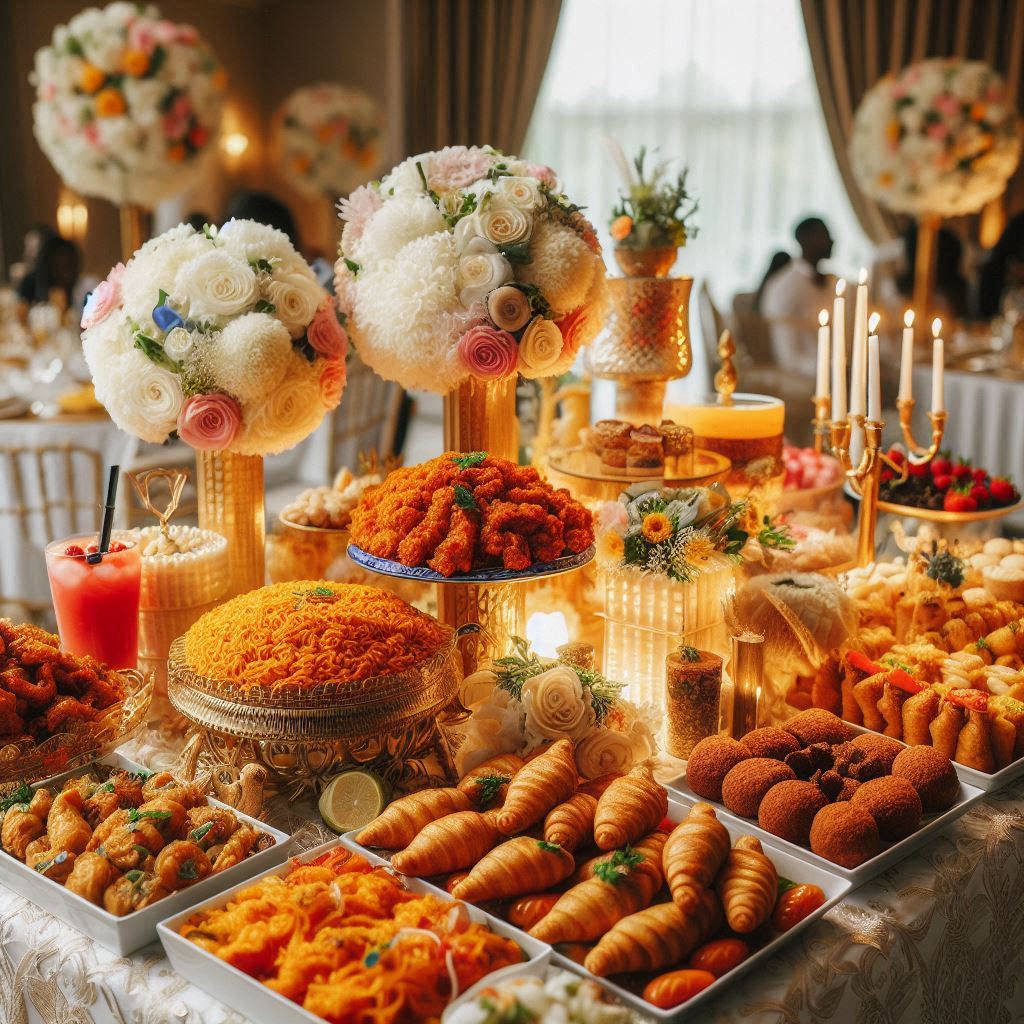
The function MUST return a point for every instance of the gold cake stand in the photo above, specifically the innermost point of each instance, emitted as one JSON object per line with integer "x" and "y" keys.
{"x": 389, "y": 723}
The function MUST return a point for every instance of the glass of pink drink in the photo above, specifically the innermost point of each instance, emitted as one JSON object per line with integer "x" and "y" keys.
{"x": 97, "y": 606}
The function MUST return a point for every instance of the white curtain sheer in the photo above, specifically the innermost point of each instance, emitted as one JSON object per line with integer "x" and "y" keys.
{"x": 722, "y": 86}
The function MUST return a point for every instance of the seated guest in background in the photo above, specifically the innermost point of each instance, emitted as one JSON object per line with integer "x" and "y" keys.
{"x": 795, "y": 295}
{"x": 892, "y": 280}
{"x": 56, "y": 276}
{"x": 1001, "y": 286}
{"x": 22, "y": 273}
{"x": 198, "y": 220}
{"x": 775, "y": 264}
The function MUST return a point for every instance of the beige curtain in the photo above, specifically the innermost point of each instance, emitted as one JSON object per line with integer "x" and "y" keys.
{"x": 853, "y": 43}
{"x": 472, "y": 70}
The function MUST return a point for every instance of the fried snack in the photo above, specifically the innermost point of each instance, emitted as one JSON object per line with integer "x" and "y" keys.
{"x": 549, "y": 779}
{"x": 133, "y": 891}
{"x": 893, "y": 803}
{"x": 514, "y": 868}
{"x": 589, "y": 909}
{"x": 845, "y": 834}
{"x": 56, "y": 865}
{"x": 984, "y": 741}
{"x": 868, "y": 692}
{"x": 398, "y": 825}
{"x": 453, "y": 842}
{"x": 693, "y": 854}
{"x": 1012, "y": 710}
{"x": 919, "y": 712}
{"x": 788, "y": 810}
{"x": 629, "y": 808}
{"x": 181, "y": 864}
{"x": 747, "y": 884}
{"x": 571, "y": 824}
{"x": 526, "y": 911}
{"x": 91, "y": 874}
{"x": 164, "y": 784}
{"x": 485, "y": 779}
{"x": 131, "y": 839}
{"x": 745, "y": 786}
{"x": 770, "y": 741}
{"x": 659, "y": 936}
{"x": 890, "y": 707}
{"x": 710, "y": 762}
{"x": 209, "y": 826}
{"x": 818, "y": 726}
{"x": 461, "y": 512}
{"x": 25, "y": 822}
{"x": 66, "y": 828}
{"x": 944, "y": 729}
{"x": 596, "y": 787}
{"x": 238, "y": 846}
{"x": 650, "y": 847}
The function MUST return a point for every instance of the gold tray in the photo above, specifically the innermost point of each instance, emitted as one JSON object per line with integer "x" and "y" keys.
{"x": 28, "y": 761}
{"x": 940, "y": 515}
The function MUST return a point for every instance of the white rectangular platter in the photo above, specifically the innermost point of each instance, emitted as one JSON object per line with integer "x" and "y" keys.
{"x": 124, "y": 935}
{"x": 788, "y": 865}
{"x": 890, "y": 854}
{"x": 252, "y": 999}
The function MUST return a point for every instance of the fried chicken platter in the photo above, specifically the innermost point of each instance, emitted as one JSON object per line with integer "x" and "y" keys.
{"x": 459, "y": 513}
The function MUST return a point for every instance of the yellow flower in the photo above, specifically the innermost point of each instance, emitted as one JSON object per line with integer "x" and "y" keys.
{"x": 135, "y": 63}
{"x": 110, "y": 103}
{"x": 656, "y": 527}
{"x": 220, "y": 79}
{"x": 978, "y": 111}
{"x": 610, "y": 548}
{"x": 621, "y": 227}
{"x": 90, "y": 78}
{"x": 892, "y": 131}
{"x": 698, "y": 549}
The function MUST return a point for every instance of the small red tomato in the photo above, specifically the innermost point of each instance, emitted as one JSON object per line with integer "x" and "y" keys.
{"x": 92, "y": 549}
{"x": 795, "y": 904}
{"x": 897, "y": 456}
{"x": 115, "y": 546}
{"x": 917, "y": 470}
{"x": 74, "y": 551}
{"x": 721, "y": 956}
{"x": 526, "y": 911}
{"x": 676, "y": 987}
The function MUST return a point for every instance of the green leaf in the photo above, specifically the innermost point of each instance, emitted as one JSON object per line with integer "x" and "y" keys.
{"x": 689, "y": 653}
{"x": 353, "y": 267}
{"x": 22, "y": 795}
{"x": 519, "y": 253}
{"x": 944, "y": 567}
{"x": 156, "y": 61}
{"x": 265, "y": 306}
{"x": 263, "y": 266}
{"x": 538, "y": 304}
{"x": 74, "y": 47}
{"x": 549, "y": 847}
{"x": 135, "y": 815}
{"x": 188, "y": 871}
{"x": 464, "y": 498}
{"x": 469, "y": 460}
{"x": 785, "y": 884}
{"x": 154, "y": 351}
{"x": 620, "y": 864}
{"x": 210, "y": 230}
{"x": 163, "y": 297}
{"x": 489, "y": 787}
{"x": 775, "y": 535}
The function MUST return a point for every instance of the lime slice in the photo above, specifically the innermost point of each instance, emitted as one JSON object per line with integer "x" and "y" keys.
{"x": 352, "y": 799}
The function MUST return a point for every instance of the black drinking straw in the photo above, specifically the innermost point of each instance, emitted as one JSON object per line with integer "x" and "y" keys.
{"x": 108, "y": 517}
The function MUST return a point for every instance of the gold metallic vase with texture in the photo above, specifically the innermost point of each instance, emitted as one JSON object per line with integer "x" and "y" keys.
{"x": 480, "y": 416}
{"x": 645, "y": 343}
{"x": 230, "y": 492}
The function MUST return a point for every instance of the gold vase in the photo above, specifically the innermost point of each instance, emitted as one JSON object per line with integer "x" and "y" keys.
{"x": 230, "y": 491}
{"x": 480, "y": 416}
{"x": 498, "y": 608}
{"x": 646, "y": 262}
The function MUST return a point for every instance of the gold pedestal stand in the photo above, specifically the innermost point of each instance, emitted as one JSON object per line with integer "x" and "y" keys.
{"x": 133, "y": 229}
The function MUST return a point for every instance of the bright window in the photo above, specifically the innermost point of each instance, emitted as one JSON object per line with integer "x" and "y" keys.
{"x": 723, "y": 86}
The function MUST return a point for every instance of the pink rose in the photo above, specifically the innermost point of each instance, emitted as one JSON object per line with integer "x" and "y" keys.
{"x": 332, "y": 382}
{"x": 209, "y": 422}
{"x": 937, "y": 130}
{"x": 104, "y": 299}
{"x": 325, "y": 334}
{"x": 544, "y": 174}
{"x": 487, "y": 353}
{"x": 947, "y": 105}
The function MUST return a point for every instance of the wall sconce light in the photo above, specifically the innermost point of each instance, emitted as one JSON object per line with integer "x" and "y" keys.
{"x": 72, "y": 217}
{"x": 235, "y": 144}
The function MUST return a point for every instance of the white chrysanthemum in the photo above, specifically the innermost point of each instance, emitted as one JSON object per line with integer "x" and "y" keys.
{"x": 404, "y": 179}
{"x": 103, "y": 344}
{"x": 143, "y": 96}
{"x": 216, "y": 284}
{"x": 290, "y": 413}
{"x": 250, "y": 357}
{"x": 401, "y": 306}
{"x": 561, "y": 266}
{"x": 146, "y": 400}
{"x": 595, "y": 311}
{"x": 249, "y": 240}
{"x": 296, "y": 294}
{"x": 155, "y": 266}
{"x": 395, "y": 224}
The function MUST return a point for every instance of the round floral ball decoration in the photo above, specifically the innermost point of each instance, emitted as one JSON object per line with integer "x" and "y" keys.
{"x": 468, "y": 264}
{"x": 128, "y": 104}
{"x": 938, "y": 138}
{"x": 327, "y": 139}
{"x": 221, "y": 337}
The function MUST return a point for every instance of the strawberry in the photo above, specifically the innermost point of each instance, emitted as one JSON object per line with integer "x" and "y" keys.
{"x": 941, "y": 466}
{"x": 116, "y": 546}
{"x": 942, "y": 483}
{"x": 979, "y": 492}
{"x": 896, "y": 456}
{"x": 979, "y": 476}
{"x": 917, "y": 470}
{"x": 73, "y": 551}
{"x": 92, "y": 549}
{"x": 1002, "y": 491}
{"x": 959, "y": 501}
{"x": 962, "y": 470}
{"x": 887, "y": 475}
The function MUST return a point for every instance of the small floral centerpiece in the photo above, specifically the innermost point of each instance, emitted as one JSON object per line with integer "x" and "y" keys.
{"x": 527, "y": 702}
{"x": 465, "y": 263}
{"x": 654, "y": 214}
{"x": 224, "y": 338}
{"x": 327, "y": 139}
{"x": 939, "y": 137}
{"x": 677, "y": 533}
{"x": 127, "y": 103}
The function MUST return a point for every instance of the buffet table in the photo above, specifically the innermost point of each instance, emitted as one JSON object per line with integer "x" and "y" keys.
{"x": 939, "y": 937}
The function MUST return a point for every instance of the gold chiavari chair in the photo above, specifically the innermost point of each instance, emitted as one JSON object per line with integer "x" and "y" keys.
{"x": 366, "y": 420}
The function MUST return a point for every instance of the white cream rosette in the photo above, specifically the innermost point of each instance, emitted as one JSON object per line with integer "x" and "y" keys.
{"x": 147, "y": 398}
{"x": 556, "y": 706}
{"x": 539, "y": 347}
{"x": 520, "y": 191}
{"x": 604, "y": 751}
{"x": 296, "y": 296}
{"x": 495, "y": 728}
{"x": 217, "y": 285}
{"x": 504, "y": 223}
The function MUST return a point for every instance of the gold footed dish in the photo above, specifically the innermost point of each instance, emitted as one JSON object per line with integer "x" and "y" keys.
{"x": 646, "y": 262}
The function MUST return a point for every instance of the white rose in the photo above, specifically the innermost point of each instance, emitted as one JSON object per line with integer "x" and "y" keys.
{"x": 556, "y": 705}
{"x": 606, "y": 750}
{"x": 143, "y": 96}
{"x": 147, "y": 398}
{"x": 521, "y": 192}
{"x": 216, "y": 284}
{"x": 480, "y": 273}
{"x": 495, "y": 728}
{"x": 539, "y": 347}
{"x": 178, "y": 343}
{"x": 291, "y": 412}
{"x": 296, "y": 296}
{"x": 505, "y": 224}
{"x": 466, "y": 230}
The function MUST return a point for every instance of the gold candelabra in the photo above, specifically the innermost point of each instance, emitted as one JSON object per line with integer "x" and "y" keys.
{"x": 822, "y": 407}
{"x": 917, "y": 453}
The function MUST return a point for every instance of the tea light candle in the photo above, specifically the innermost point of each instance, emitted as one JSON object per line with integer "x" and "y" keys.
{"x": 746, "y": 667}
{"x": 874, "y": 375}
{"x": 821, "y": 389}
{"x": 907, "y": 357}
{"x": 839, "y": 353}
{"x": 938, "y": 368}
